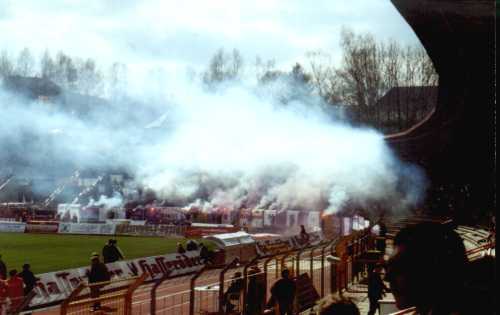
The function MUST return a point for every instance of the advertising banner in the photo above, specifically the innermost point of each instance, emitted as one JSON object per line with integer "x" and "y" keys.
{"x": 150, "y": 230}
{"x": 200, "y": 230}
{"x": 42, "y": 227}
{"x": 87, "y": 228}
{"x": 282, "y": 244}
{"x": 15, "y": 227}
{"x": 56, "y": 286}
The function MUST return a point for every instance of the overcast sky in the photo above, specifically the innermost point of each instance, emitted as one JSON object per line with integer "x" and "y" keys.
{"x": 178, "y": 34}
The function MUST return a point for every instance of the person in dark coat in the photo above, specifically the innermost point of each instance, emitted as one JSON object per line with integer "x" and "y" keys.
{"x": 191, "y": 245}
{"x": 204, "y": 254}
{"x": 107, "y": 252}
{"x": 233, "y": 292}
{"x": 180, "y": 249}
{"x": 29, "y": 279}
{"x": 256, "y": 292}
{"x": 376, "y": 288}
{"x": 283, "y": 293}
{"x": 3, "y": 269}
{"x": 116, "y": 252}
{"x": 303, "y": 234}
{"x": 111, "y": 252}
{"x": 98, "y": 273}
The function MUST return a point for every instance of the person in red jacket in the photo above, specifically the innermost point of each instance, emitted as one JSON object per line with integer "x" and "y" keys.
{"x": 15, "y": 289}
{"x": 3, "y": 296}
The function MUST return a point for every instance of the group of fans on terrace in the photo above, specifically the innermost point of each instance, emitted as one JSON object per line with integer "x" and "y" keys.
{"x": 15, "y": 286}
{"x": 427, "y": 270}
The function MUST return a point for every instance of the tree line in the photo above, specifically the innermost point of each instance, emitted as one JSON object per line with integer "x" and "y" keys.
{"x": 368, "y": 70}
{"x": 70, "y": 73}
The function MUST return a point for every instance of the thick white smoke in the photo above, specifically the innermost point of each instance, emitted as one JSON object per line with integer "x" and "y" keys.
{"x": 242, "y": 148}
{"x": 236, "y": 147}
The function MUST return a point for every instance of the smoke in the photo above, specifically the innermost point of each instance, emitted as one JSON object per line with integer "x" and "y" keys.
{"x": 107, "y": 202}
{"x": 239, "y": 146}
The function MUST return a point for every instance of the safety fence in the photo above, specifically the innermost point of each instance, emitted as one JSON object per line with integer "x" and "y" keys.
{"x": 94, "y": 299}
{"x": 245, "y": 287}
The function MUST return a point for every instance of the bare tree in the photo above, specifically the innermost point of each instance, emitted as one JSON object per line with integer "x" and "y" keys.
{"x": 25, "y": 63}
{"x": 47, "y": 66}
{"x": 323, "y": 76}
{"x": 370, "y": 69}
{"x": 6, "y": 67}
{"x": 223, "y": 67}
{"x": 89, "y": 78}
{"x": 360, "y": 73}
{"x": 262, "y": 67}
{"x": 116, "y": 80}
{"x": 65, "y": 72}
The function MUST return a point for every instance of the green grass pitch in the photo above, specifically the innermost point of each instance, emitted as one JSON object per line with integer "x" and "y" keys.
{"x": 51, "y": 252}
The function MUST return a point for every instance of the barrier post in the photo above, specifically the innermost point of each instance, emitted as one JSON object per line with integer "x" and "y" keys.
{"x": 71, "y": 297}
{"x": 130, "y": 291}
{"x": 266, "y": 262}
{"x": 245, "y": 281}
{"x": 298, "y": 262}
{"x": 192, "y": 283}
{"x": 155, "y": 287}
{"x": 221, "y": 284}
{"x": 323, "y": 271}
{"x": 311, "y": 264}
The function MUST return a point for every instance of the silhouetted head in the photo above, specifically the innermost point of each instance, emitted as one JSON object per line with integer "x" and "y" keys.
{"x": 427, "y": 267}
{"x": 26, "y": 267}
{"x": 285, "y": 273}
{"x": 13, "y": 273}
{"x": 341, "y": 307}
{"x": 94, "y": 258}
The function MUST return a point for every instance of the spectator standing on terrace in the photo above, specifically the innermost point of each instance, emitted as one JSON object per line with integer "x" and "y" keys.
{"x": 3, "y": 269}
{"x": 233, "y": 292}
{"x": 117, "y": 253}
{"x": 180, "y": 249}
{"x": 98, "y": 273}
{"x": 111, "y": 252}
{"x": 283, "y": 293}
{"x": 29, "y": 279}
{"x": 376, "y": 288}
{"x": 256, "y": 292}
{"x": 191, "y": 245}
{"x": 106, "y": 252}
{"x": 204, "y": 253}
{"x": 428, "y": 270}
{"x": 303, "y": 233}
{"x": 15, "y": 290}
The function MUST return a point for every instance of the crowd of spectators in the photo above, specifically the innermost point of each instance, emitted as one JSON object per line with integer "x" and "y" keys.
{"x": 15, "y": 287}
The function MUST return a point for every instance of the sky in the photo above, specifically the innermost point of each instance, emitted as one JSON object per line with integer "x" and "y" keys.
{"x": 180, "y": 35}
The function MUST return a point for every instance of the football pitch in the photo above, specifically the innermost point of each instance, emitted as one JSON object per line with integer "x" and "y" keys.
{"x": 51, "y": 252}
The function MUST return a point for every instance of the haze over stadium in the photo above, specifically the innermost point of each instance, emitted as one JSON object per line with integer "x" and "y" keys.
{"x": 243, "y": 144}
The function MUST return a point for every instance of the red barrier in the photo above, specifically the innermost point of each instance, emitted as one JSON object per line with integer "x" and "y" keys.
{"x": 42, "y": 227}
